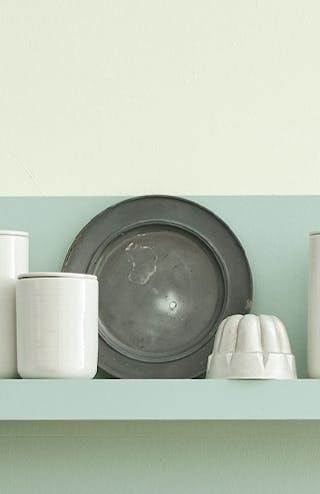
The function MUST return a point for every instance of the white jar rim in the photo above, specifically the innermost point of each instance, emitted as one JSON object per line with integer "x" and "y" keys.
{"x": 51, "y": 274}
{"x": 14, "y": 233}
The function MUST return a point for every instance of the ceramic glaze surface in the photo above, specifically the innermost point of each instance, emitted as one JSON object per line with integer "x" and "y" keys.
{"x": 57, "y": 327}
{"x": 14, "y": 254}
{"x": 314, "y": 307}
{"x": 14, "y": 259}
{"x": 251, "y": 347}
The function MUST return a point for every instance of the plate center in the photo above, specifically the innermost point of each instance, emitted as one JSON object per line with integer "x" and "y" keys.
{"x": 161, "y": 292}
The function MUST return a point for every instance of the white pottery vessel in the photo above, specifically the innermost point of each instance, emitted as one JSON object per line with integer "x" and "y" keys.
{"x": 14, "y": 259}
{"x": 251, "y": 347}
{"x": 57, "y": 325}
{"x": 314, "y": 307}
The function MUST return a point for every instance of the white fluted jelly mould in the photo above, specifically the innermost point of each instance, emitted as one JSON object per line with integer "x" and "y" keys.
{"x": 251, "y": 347}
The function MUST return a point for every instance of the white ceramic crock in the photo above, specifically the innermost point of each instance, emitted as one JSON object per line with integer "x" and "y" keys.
{"x": 14, "y": 259}
{"x": 314, "y": 306}
{"x": 57, "y": 325}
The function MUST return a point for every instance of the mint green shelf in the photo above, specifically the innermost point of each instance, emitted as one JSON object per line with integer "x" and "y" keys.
{"x": 159, "y": 400}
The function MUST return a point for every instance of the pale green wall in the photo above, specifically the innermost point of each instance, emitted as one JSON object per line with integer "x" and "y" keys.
{"x": 175, "y": 96}
{"x": 161, "y": 458}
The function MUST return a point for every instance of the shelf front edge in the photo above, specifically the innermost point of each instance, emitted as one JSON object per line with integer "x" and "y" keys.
{"x": 159, "y": 400}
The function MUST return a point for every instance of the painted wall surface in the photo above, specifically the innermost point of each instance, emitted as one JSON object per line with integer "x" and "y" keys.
{"x": 160, "y": 458}
{"x": 173, "y": 96}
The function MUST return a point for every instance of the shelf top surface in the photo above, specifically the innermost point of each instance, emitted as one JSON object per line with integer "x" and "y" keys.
{"x": 159, "y": 399}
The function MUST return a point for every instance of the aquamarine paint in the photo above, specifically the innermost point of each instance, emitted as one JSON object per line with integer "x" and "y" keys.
{"x": 159, "y": 399}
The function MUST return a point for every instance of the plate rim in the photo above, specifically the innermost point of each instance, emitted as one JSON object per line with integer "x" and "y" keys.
{"x": 196, "y": 207}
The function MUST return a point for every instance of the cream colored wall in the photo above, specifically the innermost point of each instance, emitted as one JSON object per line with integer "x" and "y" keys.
{"x": 173, "y": 96}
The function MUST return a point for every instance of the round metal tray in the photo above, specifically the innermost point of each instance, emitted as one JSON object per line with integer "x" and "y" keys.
{"x": 169, "y": 271}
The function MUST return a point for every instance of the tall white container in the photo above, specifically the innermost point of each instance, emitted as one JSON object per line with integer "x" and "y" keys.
{"x": 314, "y": 306}
{"x": 57, "y": 325}
{"x": 14, "y": 259}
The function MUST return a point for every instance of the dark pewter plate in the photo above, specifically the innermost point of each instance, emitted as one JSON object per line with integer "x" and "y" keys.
{"x": 169, "y": 271}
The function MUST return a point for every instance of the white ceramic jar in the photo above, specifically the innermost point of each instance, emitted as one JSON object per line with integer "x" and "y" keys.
{"x": 314, "y": 306}
{"x": 14, "y": 259}
{"x": 57, "y": 325}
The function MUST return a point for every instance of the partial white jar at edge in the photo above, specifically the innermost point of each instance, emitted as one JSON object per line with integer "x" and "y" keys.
{"x": 14, "y": 259}
{"x": 314, "y": 306}
{"x": 57, "y": 325}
